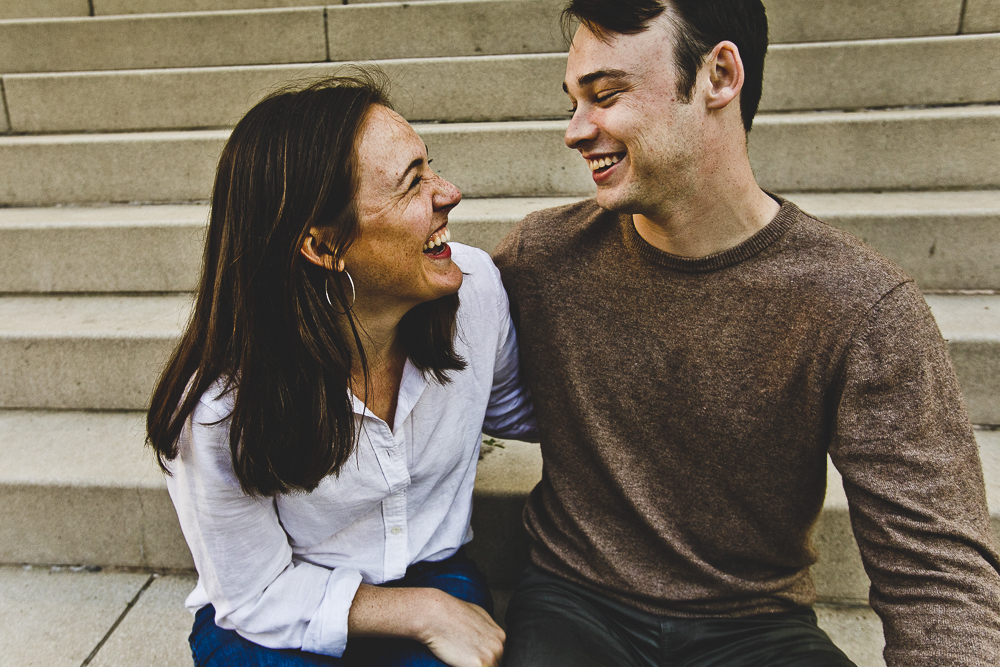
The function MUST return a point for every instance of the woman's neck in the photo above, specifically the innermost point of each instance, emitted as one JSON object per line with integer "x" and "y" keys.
{"x": 385, "y": 356}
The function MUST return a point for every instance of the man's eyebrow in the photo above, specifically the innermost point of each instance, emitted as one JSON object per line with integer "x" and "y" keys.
{"x": 591, "y": 77}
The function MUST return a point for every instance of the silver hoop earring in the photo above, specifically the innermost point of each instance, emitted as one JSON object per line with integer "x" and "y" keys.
{"x": 354, "y": 296}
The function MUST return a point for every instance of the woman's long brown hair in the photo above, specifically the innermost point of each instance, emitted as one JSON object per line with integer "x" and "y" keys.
{"x": 261, "y": 321}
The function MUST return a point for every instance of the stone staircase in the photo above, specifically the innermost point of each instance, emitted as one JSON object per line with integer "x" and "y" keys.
{"x": 880, "y": 117}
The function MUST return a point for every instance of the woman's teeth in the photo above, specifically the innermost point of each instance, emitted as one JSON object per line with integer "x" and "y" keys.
{"x": 602, "y": 163}
{"x": 438, "y": 240}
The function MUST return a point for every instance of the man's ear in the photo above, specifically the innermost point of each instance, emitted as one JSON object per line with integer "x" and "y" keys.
{"x": 316, "y": 251}
{"x": 725, "y": 75}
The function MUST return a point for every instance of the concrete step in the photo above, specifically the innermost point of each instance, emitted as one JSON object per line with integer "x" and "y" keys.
{"x": 81, "y": 488}
{"x": 139, "y": 620}
{"x": 106, "y": 352}
{"x": 86, "y": 352}
{"x": 913, "y": 149}
{"x": 937, "y": 237}
{"x": 290, "y": 35}
{"x": 176, "y": 40}
{"x": 790, "y": 20}
{"x": 838, "y": 75}
{"x": 982, "y": 16}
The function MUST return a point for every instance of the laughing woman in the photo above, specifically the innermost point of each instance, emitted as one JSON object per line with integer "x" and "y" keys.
{"x": 320, "y": 419}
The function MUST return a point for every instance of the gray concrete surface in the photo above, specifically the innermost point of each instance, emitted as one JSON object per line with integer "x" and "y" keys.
{"x": 4, "y": 114}
{"x": 154, "y": 633}
{"x": 909, "y": 149}
{"x": 25, "y": 9}
{"x": 98, "y": 352}
{"x": 879, "y": 73}
{"x": 913, "y": 149}
{"x": 114, "y": 249}
{"x": 118, "y": 7}
{"x": 81, "y": 607}
{"x": 857, "y": 630}
{"x": 428, "y": 29}
{"x": 862, "y": 74}
{"x": 56, "y": 618}
{"x": 150, "y": 166}
{"x": 177, "y": 40}
{"x": 934, "y": 236}
{"x": 443, "y": 89}
{"x": 798, "y": 21}
{"x": 982, "y": 16}
{"x": 971, "y": 325}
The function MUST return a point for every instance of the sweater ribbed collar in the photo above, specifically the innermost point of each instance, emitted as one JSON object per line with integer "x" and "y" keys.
{"x": 782, "y": 222}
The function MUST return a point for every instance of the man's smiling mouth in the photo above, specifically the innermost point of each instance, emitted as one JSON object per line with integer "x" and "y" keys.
{"x": 600, "y": 164}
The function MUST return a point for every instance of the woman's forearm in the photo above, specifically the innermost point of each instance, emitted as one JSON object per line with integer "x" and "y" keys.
{"x": 457, "y": 632}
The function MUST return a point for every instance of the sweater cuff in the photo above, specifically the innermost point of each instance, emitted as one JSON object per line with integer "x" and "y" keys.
{"x": 327, "y": 632}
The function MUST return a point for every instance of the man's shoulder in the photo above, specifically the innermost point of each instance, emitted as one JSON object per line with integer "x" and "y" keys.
{"x": 841, "y": 261}
{"x": 549, "y": 230}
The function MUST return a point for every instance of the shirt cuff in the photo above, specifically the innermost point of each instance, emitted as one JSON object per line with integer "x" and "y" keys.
{"x": 327, "y": 632}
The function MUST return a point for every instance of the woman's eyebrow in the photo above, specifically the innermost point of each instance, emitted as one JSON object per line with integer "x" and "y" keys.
{"x": 413, "y": 165}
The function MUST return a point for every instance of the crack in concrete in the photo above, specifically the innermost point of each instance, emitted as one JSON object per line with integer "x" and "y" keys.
{"x": 6, "y": 106}
{"x": 961, "y": 17}
{"x": 326, "y": 30}
{"x": 118, "y": 621}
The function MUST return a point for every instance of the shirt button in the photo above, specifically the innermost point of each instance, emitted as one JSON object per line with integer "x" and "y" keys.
{"x": 396, "y": 530}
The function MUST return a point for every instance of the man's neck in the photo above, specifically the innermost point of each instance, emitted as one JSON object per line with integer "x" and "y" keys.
{"x": 709, "y": 222}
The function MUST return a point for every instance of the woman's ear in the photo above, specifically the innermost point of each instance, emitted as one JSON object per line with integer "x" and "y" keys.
{"x": 725, "y": 75}
{"x": 318, "y": 252}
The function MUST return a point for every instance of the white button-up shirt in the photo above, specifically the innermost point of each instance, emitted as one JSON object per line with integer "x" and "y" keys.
{"x": 283, "y": 571}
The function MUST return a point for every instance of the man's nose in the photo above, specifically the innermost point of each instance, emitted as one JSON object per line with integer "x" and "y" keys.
{"x": 581, "y": 129}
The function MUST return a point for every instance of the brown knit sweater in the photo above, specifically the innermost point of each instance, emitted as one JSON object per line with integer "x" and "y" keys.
{"x": 686, "y": 408}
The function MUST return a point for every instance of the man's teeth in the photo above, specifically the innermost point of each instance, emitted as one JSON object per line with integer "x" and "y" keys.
{"x": 439, "y": 239}
{"x": 602, "y": 163}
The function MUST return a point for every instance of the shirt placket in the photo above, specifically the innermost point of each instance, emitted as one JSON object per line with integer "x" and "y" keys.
{"x": 391, "y": 453}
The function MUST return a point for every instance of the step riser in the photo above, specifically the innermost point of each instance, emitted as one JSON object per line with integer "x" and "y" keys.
{"x": 790, "y": 21}
{"x": 29, "y": 9}
{"x": 150, "y": 258}
{"x": 103, "y": 373}
{"x": 294, "y": 35}
{"x": 982, "y": 16}
{"x": 119, "y": 372}
{"x": 940, "y": 251}
{"x": 863, "y": 151}
{"x": 813, "y": 76}
{"x": 910, "y": 72}
{"x": 798, "y": 21}
{"x": 137, "y": 527}
{"x": 873, "y": 151}
{"x": 112, "y": 527}
{"x": 473, "y": 89}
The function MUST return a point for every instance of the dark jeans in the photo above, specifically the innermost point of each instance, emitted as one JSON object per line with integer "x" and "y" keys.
{"x": 212, "y": 646}
{"x": 554, "y": 623}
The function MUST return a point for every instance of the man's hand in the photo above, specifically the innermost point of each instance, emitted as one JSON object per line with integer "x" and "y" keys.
{"x": 457, "y": 632}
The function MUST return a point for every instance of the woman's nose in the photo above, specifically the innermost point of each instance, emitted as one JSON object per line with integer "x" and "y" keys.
{"x": 447, "y": 195}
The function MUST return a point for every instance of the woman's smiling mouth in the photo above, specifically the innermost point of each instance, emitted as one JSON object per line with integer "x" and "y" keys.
{"x": 437, "y": 246}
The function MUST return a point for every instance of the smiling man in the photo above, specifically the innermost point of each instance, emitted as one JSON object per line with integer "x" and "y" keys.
{"x": 696, "y": 348}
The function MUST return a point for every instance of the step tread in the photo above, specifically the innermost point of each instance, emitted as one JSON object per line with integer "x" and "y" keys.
{"x": 84, "y": 606}
{"x": 92, "y": 316}
{"x": 840, "y": 204}
{"x": 961, "y": 317}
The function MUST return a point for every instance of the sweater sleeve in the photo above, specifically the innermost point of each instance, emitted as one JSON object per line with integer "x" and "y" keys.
{"x": 242, "y": 553}
{"x": 913, "y": 479}
{"x": 510, "y": 413}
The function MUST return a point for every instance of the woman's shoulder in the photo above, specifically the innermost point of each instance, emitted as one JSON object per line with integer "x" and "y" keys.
{"x": 482, "y": 290}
